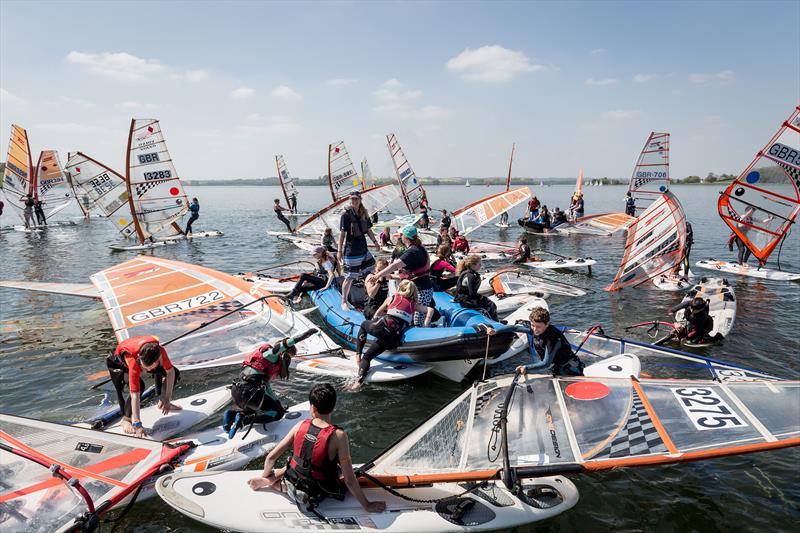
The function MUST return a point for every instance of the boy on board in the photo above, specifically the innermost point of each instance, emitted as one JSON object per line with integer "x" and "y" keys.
{"x": 320, "y": 454}
{"x": 293, "y": 202}
{"x": 132, "y": 356}
{"x": 355, "y": 226}
{"x": 194, "y": 210}
{"x": 279, "y": 209}
{"x": 28, "y": 212}
{"x": 549, "y": 348}
{"x": 445, "y": 222}
{"x": 39, "y": 210}
{"x": 630, "y": 205}
{"x": 523, "y": 253}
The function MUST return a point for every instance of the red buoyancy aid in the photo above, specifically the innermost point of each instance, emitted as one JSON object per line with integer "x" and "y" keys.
{"x": 419, "y": 272}
{"x": 262, "y": 365}
{"x": 402, "y": 308}
{"x": 460, "y": 244}
{"x": 130, "y": 347}
{"x": 310, "y": 454}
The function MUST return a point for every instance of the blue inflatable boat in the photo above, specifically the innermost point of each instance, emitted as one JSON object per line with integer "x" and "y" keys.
{"x": 460, "y": 337}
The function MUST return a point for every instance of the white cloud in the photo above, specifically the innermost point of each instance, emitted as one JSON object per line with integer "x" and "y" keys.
{"x": 192, "y": 75}
{"x": 491, "y": 64}
{"x": 131, "y": 104}
{"x": 269, "y": 125}
{"x": 287, "y": 94}
{"x": 7, "y": 98}
{"x": 644, "y": 78}
{"x": 598, "y": 51}
{"x": 117, "y": 65}
{"x": 399, "y": 101}
{"x": 394, "y": 91}
{"x": 621, "y": 114}
{"x": 716, "y": 78}
{"x": 242, "y": 92}
{"x": 341, "y": 82}
{"x": 591, "y": 82}
{"x": 69, "y": 101}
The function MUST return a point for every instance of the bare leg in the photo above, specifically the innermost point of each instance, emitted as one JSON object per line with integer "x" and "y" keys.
{"x": 346, "y": 292}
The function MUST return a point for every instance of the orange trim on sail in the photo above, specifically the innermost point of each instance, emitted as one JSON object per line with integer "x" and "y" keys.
{"x": 654, "y": 417}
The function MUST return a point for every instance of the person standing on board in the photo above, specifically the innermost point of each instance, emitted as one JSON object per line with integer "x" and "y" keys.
{"x": 132, "y": 356}
{"x": 688, "y": 248}
{"x": 533, "y": 208}
{"x": 279, "y": 209}
{"x": 293, "y": 202}
{"x": 194, "y": 214}
{"x": 39, "y": 210}
{"x": 549, "y": 349}
{"x": 504, "y": 218}
{"x": 320, "y": 454}
{"x": 355, "y": 226}
{"x": 578, "y": 208}
{"x": 446, "y": 221}
{"x": 28, "y": 211}
{"x": 630, "y": 205}
{"x": 745, "y": 222}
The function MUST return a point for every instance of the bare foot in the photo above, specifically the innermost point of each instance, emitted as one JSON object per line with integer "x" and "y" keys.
{"x": 127, "y": 427}
{"x": 345, "y": 307}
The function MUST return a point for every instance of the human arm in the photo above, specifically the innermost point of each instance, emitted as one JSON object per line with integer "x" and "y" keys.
{"x": 371, "y": 235}
{"x": 682, "y": 305}
{"x": 166, "y": 406}
{"x": 342, "y": 448}
{"x": 419, "y": 308}
{"x": 382, "y": 309}
{"x": 136, "y": 416}
{"x": 394, "y": 265}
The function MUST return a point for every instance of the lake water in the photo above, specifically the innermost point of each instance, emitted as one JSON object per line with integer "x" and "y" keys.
{"x": 49, "y": 343}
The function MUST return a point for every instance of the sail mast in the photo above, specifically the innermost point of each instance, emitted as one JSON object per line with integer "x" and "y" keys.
{"x": 330, "y": 176}
{"x": 139, "y": 232}
{"x": 510, "y": 162}
{"x": 34, "y": 185}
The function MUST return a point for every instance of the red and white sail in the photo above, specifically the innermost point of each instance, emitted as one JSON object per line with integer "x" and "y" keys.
{"x": 473, "y": 216}
{"x": 655, "y": 244}
{"x": 285, "y": 178}
{"x": 761, "y": 205}
{"x": 51, "y": 186}
{"x": 18, "y": 175}
{"x": 374, "y": 199}
{"x": 650, "y": 176}
{"x": 103, "y": 189}
{"x": 342, "y": 175}
{"x": 410, "y": 186}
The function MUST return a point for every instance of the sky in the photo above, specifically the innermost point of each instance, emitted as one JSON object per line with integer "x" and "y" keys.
{"x": 573, "y": 84}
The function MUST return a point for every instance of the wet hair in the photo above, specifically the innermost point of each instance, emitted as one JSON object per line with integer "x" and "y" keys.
{"x": 194, "y": 199}
{"x": 468, "y": 262}
{"x": 698, "y": 303}
{"x": 149, "y": 353}
{"x": 327, "y": 230}
{"x": 380, "y": 264}
{"x": 407, "y": 289}
{"x": 323, "y": 397}
{"x": 443, "y": 251}
{"x": 277, "y": 201}
{"x": 540, "y": 315}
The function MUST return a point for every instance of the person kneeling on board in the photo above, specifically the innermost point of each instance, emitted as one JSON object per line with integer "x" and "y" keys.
{"x": 699, "y": 322}
{"x": 469, "y": 281}
{"x": 256, "y": 402}
{"x": 320, "y": 454}
{"x": 523, "y": 252}
{"x": 393, "y": 317}
{"x": 131, "y": 357}
{"x": 548, "y": 347}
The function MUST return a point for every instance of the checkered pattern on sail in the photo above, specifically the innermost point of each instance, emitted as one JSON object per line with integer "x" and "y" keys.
{"x": 637, "y": 437}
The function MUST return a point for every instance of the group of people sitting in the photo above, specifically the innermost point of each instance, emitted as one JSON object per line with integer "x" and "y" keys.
{"x": 539, "y": 214}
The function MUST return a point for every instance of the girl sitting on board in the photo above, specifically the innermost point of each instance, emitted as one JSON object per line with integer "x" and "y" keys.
{"x": 327, "y": 269}
{"x": 442, "y": 270}
{"x": 377, "y": 289}
{"x": 469, "y": 281}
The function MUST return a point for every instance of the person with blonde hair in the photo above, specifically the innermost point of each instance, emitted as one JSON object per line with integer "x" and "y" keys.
{"x": 549, "y": 349}
{"x": 467, "y": 285}
{"x": 394, "y": 315}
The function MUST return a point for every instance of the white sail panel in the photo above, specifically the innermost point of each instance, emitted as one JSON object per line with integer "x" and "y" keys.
{"x": 285, "y": 178}
{"x": 157, "y": 195}
{"x": 655, "y": 243}
{"x": 374, "y": 200}
{"x": 410, "y": 186}
{"x": 473, "y": 216}
{"x": 650, "y": 176}
{"x": 101, "y": 188}
{"x": 342, "y": 175}
{"x": 52, "y": 187}
{"x": 18, "y": 175}
{"x": 366, "y": 174}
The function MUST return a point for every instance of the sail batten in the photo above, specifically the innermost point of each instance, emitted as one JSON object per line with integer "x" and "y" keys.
{"x": 18, "y": 175}
{"x": 650, "y": 176}
{"x": 410, "y": 186}
{"x": 342, "y": 175}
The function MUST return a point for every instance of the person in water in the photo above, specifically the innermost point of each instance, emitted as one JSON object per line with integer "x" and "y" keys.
{"x": 321, "y": 279}
{"x": 386, "y": 237}
{"x": 194, "y": 210}
{"x": 630, "y": 205}
{"x": 504, "y": 218}
{"x": 395, "y": 314}
{"x": 443, "y": 271}
{"x": 446, "y": 221}
{"x": 548, "y": 348}
{"x": 279, "y": 209}
{"x": 460, "y": 243}
{"x": 328, "y": 241}
{"x": 2, "y": 205}
{"x": 28, "y": 211}
{"x": 39, "y": 210}
{"x": 468, "y": 284}
{"x": 414, "y": 265}
{"x": 533, "y": 208}
{"x": 377, "y": 289}
{"x": 132, "y": 356}
{"x": 293, "y": 202}
{"x": 699, "y": 322}
{"x": 523, "y": 252}
{"x": 559, "y": 217}
{"x": 320, "y": 454}
{"x": 355, "y": 226}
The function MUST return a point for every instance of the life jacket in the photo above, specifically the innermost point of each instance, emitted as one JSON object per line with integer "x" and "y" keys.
{"x": 417, "y": 272}
{"x": 468, "y": 282}
{"x": 402, "y": 308}
{"x": 311, "y": 475}
{"x": 381, "y": 295}
{"x": 258, "y": 365}
{"x": 460, "y": 244}
{"x": 563, "y": 359}
{"x": 131, "y": 347}
{"x": 358, "y": 226}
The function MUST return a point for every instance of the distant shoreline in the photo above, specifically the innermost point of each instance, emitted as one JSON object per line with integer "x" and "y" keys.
{"x": 428, "y": 182}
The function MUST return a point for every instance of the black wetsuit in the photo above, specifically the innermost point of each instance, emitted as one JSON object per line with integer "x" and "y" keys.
{"x": 467, "y": 294}
{"x": 312, "y": 282}
{"x": 552, "y": 349}
{"x": 329, "y": 243}
{"x": 387, "y": 331}
{"x": 255, "y": 399}
{"x": 278, "y": 213}
{"x": 688, "y": 248}
{"x": 37, "y": 208}
{"x": 524, "y": 253}
{"x": 374, "y": 302}
{"x": 630, "y": 206}
{"x": 194, "y": 209}
{"x": 445, "y": 222}
{"x": 700, "y": 323}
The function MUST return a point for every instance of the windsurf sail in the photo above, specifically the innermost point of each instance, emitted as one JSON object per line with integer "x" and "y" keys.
{"x": 286, "y": 180}
{"x": 650, "y": 176}
{"x": 342, "y": 175}
{"x": 84, "y": 290}
{"x": 155, "y": 194}
{"x": 50, "y": 183}
{"x": 472, "y": 216}
{"x": 150, "y": 296}
{"x": 761, "y": 205}
{"x": 410, "y": 186}
{"x": 512, "y": 281}
{"x": 60, "y": 478}
{"x": 579, "y": 183}
{"x": 18, "y": 175}
{"x": 374, "y": 199}
{"x": 104, "y": 189}
{"x": 655, "y": 244}
{"x": 510, "y": 163}
{"x": 366, "y": 174}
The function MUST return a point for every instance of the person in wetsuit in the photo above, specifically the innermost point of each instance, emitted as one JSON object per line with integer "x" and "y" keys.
{"x": 559, "y": 217}
{"x": 699, "y": 322}
{"x": 377, "y": 289}
{"x": 469, "y": 281}
{"x": 355, "y": 226}
{"x": 504, "y": 218}
{"x": 548, "y": 348}
{"x": 460, "y": 243}
{"x": 446, "y": 221}
{"x": 327, "y": 268}
{"x": 424, "y": 221}
{"x": 523, "y": 253}
{"x": 630, "y": 205}
{"x": 279, "y": 209}
{"x": 392, "y": 318}
{"x": 39, "y": 210}
{"x": 293, "y": 203}
{"x": 329, "y": 242}
{"x": 578, "y": 207}
{"x": 132, "y": 356}
{"x": 386, "y": 237}
{"x": 544, "y": 217}
{"x": 28, "y": 211}
{"x": 744, "y": 223}
{"x": 443, "y": 271}
{"x": 194, "y": 210}
{"x": 688, "y": 248}
{"x": 320, "y": 455}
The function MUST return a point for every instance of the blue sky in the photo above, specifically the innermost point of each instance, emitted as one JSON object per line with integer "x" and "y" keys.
{"x": 577, "y": 84}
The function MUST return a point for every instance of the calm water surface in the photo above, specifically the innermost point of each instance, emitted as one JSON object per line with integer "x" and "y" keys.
{"x": 49, "y": 343}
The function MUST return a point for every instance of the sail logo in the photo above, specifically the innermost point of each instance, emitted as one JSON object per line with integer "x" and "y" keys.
{"x": 147, "y": 133}
{"x": 101, "y": 183}
{"x": 16, "y": 170}
{"x": 785, "y": 153}
{"x": 405, "y": 173}
{"x": 176, "y": 307}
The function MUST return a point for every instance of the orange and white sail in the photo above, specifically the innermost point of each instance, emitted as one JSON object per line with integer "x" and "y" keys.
{"x": 473, "y": 216}
{"x": 51, "y": 186}
{"x": 18, "y": 175}
{"x": 285, "y": 178}
{"x": 762, "y": 204}
{"x": 650, "y": 176}
{"x": 410, "y": 186}
{"x": 103, "y": 188}
{"x": 374, "y": 199}
{"x": 342, "y": 175}
{"x": 655, "y": 243}
{"x": 579, "y": 183}
{"x": 155, "y": 195}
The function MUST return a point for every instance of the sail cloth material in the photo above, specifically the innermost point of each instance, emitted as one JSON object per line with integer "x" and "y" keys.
{"x": 108, "y": 468}
{"x": 761, "y": 205}
{"x": 366, "y": 174}
{"x": 410, "y": 186}
{"x": 342, "y": 175}
{"x": 51, "y": 185}
{"x": 286, "y": 180}
{"x": 374, "y": 200}
{"x": 18, "y": 175}
{"x": 594, "y": 424}
{"x": 655, "y": 243}
{"x": 650, "y": 176}
{"x": 473, "y": 216}
{"x": 103, "y": 188}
